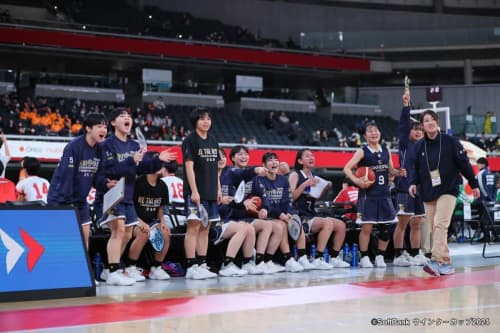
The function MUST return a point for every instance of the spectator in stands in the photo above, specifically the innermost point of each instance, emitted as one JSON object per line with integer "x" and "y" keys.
{"x": 283, "y": 119}
{"x": 324, "y": 136}
{"x": 76, "y": 127}
{"x": 274, "y": 190}
{"x": 294, "y": 130}
{"x": 4, "y": 158}
{"x": 150, "y": 196}
{"x": 487, "y": 181}
{"x": 252, "y": 141}
{"x": 32, "y": 187}
{"x": 301, "y": 180}
{"x": 375, "y": 205}
{"x": 269, "y": 122}
{"x": 316, "y": 137}
{"x": 7, "y": 187}
{"x": 159, "y": 104}
{"x": 201, "y": 188}
{"x": 343, "y": 142}
{"x": 487, "y": 123}
{"x": 355, "y": 140}
{"x": 243, "y": 140}
{"x": 337, "y": 133}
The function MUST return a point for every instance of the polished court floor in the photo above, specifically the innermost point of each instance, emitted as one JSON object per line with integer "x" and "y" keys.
{"x": 351, "y": 300}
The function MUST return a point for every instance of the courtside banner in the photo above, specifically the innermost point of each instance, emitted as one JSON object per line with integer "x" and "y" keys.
{"x": 42, "y": 254}
{"x": 43, "y": 150}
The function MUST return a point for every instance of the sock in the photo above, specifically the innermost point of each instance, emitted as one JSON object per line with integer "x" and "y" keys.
{"x": 202, "y": 260}
{"x": 381, "y": 253}
{"x": 156, "y": 263}
{"x": 398, "y": 252}
{"x": 190, "y": 262}
{"x": 227, "y": 260}
{"x": 246, "y": 260}
{"x": 259, "y": 257}
{"x": 414, "y": 252}
{"x": 364, "y": 254}
{"x": 335, "y": 253}
{"x": 301, "y": 252}
{"x": 319, "y": 254}
{"x": 286, "y": 256}
{"x": 268, "y": 257}
{"x": 113, "y": 267}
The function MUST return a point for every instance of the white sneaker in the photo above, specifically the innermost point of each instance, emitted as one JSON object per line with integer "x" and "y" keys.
{"x": 117, "y": 278}
{"x": 379, "y": 261}
{"x": 406, "y": 255}
{"x": 264, "y": 267}
{"x": 319, "y": 263}
{"x": 419, "y": 260}
{"x": 232, "y": 270}
{"x": 401, "y": 261}
{"x": 158, "y": 273}
{"x": 365, "y": 262}
{"x": 275, "y": 268}
{"x": 194, "y": 273}
{"x": 205, "y": 270}
{"x": 293, "y": 266}
{"x": 104, "y": 274}
{"x": 338, "y": 262}
{"x": 134, "y": 273}
{"x": 305, "y": 263}
{"x": 253, "y": 269}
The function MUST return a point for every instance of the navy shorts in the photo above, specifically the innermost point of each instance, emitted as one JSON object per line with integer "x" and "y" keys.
{"x": 375, "y": 210}
{"x": 83, "y": 213}
{"x": 124, "y": 211}
{"x": 192, "y": 212}
{"x": 409, "y": 206}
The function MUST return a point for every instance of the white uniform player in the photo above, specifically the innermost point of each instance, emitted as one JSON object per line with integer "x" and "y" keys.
{"x": 32, "y": 188}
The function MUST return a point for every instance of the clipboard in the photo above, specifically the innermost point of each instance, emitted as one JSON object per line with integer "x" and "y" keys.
{"x": 114, "y": 196}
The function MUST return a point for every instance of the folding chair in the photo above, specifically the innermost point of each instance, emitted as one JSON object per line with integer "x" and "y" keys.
{"x": 491, "y": 225}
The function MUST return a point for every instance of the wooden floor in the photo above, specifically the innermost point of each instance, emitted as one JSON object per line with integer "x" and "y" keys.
{"x": 341, "y": 300}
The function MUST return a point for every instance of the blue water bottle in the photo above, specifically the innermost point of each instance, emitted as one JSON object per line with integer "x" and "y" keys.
{"x": 346, "y": 253}
{"x": 326, "y": 255}
{"x": 355, "y": 255}
{"x": 97, "y": 266}
{"x": 313, "y": 252}
{"x": 295, "y": 252}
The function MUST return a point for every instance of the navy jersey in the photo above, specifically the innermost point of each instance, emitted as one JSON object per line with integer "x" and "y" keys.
{"x": 379, "y": 162}
{"x": 117, "y": 162}
{"x": 487, "y": 184}
{"x": 75, "y": 173}
{"x": 275, "y": 194}
{"x": 406, "y": 149}
{"x": 230, "y": 179}
{"x": 304, "y": 203}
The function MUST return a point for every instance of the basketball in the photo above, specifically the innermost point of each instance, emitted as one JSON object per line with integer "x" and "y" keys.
{"x": 365, "y": 173}
{"x": 258, "y": 203}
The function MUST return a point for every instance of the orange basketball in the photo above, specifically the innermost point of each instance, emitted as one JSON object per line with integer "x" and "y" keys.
{"x": 258, "y": 203}
{"x": 365, "y": 173}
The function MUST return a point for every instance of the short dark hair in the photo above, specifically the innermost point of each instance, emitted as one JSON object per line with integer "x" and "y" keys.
{"x": 117, "y": 112}
{"x": 368, "y": 124}
{"x": 171, "y": 166}
{"x": 197, "y": 114}
{"x": 94, "y": 118}
{"x": 433, "y": 114}
{"x": 482, "y": 160}
{"x": 236, "y": 149}
{"x": 415, "y": 125}
{"x": 267, "y": 156}
{"x": 32, "y": 165}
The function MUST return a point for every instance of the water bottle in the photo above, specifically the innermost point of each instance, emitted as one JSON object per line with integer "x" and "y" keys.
{"x": 313, "y": 252}
{"x": 346, "y": 253}
{"x": 295, "y": 252}
{"x": 355, "y": 255}
{"x": 97, "y": 265}
{"x": 326, "y": 255}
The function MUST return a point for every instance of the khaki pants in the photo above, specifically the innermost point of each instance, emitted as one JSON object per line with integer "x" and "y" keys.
{"x": 425, "y": 235}
{"x": 439, "y": 213}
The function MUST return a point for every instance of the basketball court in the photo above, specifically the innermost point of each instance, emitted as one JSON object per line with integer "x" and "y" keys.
{"x": 395, "y": 299}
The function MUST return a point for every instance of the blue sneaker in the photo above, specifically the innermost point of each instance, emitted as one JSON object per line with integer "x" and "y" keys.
{"x": 432, "y": 268}
{"x": 446, "y": 269}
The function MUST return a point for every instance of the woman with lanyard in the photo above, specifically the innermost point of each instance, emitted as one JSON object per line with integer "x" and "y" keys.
{"x": 440, "y": 158}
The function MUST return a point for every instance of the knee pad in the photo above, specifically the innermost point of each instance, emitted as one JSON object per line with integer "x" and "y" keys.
{"x": 384, "y": 233}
